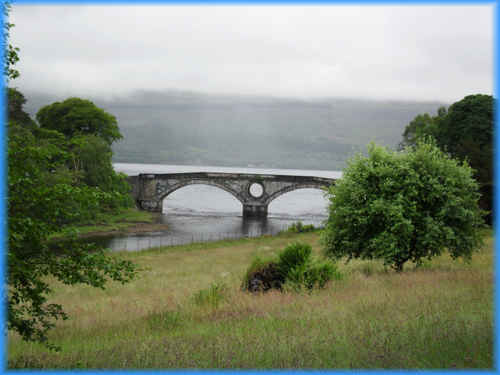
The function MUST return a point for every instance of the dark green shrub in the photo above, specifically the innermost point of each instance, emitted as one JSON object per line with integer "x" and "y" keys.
{"x": 294, "y": 256}
{"x": 319, "y": 273}
{"x": 298, "y": 227}
{"x": 294, "y": 267}
{"x": 263, "y": 275}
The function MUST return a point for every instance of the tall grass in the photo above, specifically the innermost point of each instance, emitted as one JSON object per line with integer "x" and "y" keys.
{"x": 186, "y": 310}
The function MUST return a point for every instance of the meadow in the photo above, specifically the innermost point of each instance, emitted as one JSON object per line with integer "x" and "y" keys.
{"x": 186, "y": 309}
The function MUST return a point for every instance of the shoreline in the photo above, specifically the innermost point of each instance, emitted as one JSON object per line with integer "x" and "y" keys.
{"x": 130, "y": 221}
{"x": 133, "y": 228}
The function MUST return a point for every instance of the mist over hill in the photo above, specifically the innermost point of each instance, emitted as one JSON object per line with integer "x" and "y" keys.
{"x": 177, "y": 127}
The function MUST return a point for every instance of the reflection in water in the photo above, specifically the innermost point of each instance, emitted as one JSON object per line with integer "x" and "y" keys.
{"x": 183, "y": 229}
{"x": 200, "y": 213}
{"x": 254, "y": 227}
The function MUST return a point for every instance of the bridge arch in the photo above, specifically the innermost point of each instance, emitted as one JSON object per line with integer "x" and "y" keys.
{"x": 219, "y": 185}
{"x": 149, "y": 190}
{"x": 290, "y": 188}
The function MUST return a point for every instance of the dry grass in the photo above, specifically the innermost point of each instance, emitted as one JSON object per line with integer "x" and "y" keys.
{"x": 436, "y": 316}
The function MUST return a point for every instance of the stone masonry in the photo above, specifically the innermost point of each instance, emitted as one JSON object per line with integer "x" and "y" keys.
{"x": 254, "y": 191}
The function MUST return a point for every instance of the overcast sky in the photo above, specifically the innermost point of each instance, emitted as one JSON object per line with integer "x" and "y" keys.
{"x": 419, "y": 52}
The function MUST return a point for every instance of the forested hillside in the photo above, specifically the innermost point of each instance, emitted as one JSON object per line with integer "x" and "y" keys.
{"x": 176, "y": 127}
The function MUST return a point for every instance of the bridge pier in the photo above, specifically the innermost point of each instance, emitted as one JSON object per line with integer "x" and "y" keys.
{"x": 151, "y": 205}
{"x": 254, "y": 210}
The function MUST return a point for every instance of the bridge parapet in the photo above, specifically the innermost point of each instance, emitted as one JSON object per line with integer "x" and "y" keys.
{"x": 254, "y": 191}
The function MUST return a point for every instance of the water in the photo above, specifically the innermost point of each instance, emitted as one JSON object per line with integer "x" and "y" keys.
{"x": 200, "y": 213}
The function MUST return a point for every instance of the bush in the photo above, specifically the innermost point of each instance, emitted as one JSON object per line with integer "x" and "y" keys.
{"x": 263, "y": 275}
{"x": 294, "y": 258}
{"x": 294, "y": 267}
{"x": 319, "y": 273}
{"x": 403, "y": 206}
{"x": 298, "y": 227}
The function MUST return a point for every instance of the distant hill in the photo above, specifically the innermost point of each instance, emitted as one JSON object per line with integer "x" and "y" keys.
{"x": 176, "y": 127}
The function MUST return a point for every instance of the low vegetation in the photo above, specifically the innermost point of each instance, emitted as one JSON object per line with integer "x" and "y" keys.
{"x": 186, "y": 309}
{"x": 108, "y": 222}
{"x": 293, "y": 269}
{"x": 299, "y": 227}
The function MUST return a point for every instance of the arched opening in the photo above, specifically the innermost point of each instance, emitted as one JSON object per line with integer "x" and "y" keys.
{"x": 201, "y": 199}
{"x": 301, "y": 204}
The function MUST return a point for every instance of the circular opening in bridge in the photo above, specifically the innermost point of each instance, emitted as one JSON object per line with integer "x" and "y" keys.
{"x": 256, "y": 190}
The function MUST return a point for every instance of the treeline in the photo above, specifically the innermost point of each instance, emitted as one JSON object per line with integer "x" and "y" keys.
{"x": 68, "y": 144}
{"x": 465, "y": 132}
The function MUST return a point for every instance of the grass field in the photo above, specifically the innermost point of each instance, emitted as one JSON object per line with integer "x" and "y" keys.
{"x": 186, "y": 310}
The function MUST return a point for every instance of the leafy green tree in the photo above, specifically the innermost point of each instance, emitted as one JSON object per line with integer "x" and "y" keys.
{"x": 40, "y": 201}
{"x": 467, "y": 134}
{"x": 403, "y": 206}
{"x": 420, "y": 127}
{"x": 465, "y": 131}
{"x": 89, "y": 132}
{"x": 76, "y": 116}
{"x": 15, "y": 111}
{"x": 91, "y": 161}
{"x": 91, "y": 158}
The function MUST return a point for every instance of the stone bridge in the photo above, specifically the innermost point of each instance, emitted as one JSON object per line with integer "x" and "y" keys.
{"x": 254, "y": 191}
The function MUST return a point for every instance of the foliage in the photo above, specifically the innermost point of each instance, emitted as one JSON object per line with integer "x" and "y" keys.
{"x": 319, "y": 273}
{"x": 92, "y": 164}
{"x": 467, "y": 134}
{"x": 11, "y": 57}
{"x": 91, "y": 157}
{"x": 422, "y": 126}
{"x": 465, "y": 131}
{"x": 15, "y": 111}
{"x": 299, "y": 227}
{"x": 294, "y": 268}
{"x": 403, "y": 206}
{"x": 299, "y": 269}
{"x": 40, "y": 201}
{"x": 262, "y": 275}
{"x": 76, "y": 116}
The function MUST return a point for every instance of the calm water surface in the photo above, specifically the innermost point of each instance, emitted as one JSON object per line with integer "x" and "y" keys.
{"x": 205, "y": 213}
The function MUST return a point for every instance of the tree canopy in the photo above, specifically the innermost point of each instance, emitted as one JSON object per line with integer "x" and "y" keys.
{"x": 422, "y": 126}
{"x": 403, "y": 206}
{"x": 465, "y": 131}
{"x": 75, "y": 116}
{"x": 15, "y": 111}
